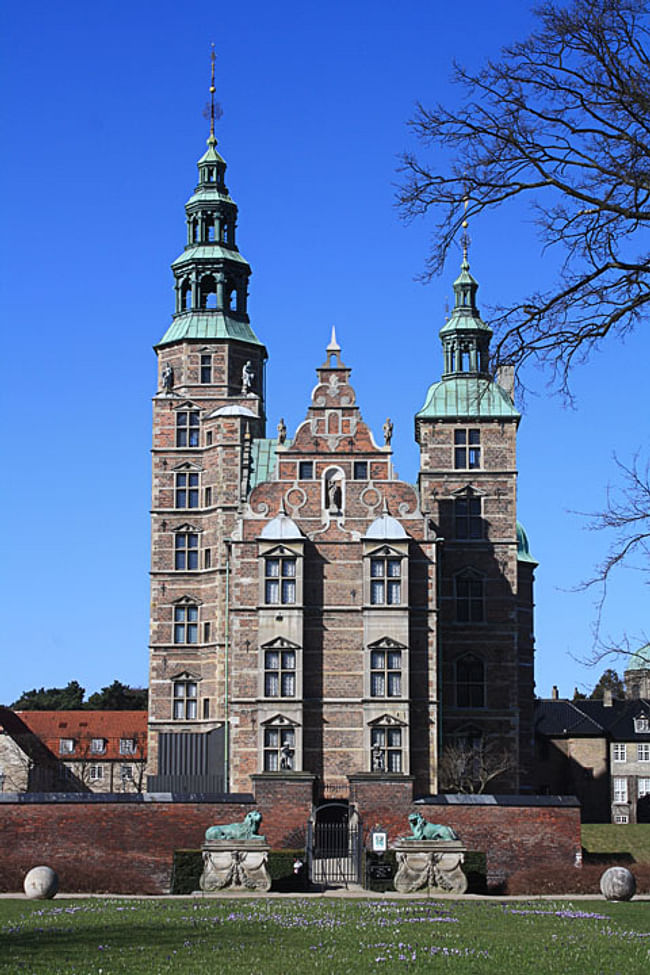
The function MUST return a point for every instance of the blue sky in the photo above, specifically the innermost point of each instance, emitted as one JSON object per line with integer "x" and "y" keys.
{"x": 103, "y": 124}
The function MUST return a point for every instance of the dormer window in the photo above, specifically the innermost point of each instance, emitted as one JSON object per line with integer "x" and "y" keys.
{"x": 642, "y": 724}
{"x": 98, "y": 746}
{"x": 66, "y": 746}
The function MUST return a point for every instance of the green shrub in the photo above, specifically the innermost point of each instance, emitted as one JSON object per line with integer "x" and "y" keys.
{"x": 188, "y": 865}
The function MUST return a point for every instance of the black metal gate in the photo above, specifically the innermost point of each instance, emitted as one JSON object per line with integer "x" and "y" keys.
{"x": 334, "y": 847}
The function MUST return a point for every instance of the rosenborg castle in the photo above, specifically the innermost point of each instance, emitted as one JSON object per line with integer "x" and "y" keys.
{"x": 309, "y": 611}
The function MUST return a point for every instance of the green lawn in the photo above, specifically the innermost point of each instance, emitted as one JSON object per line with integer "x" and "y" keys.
{"x": 609, "y": 838}
{"x": 298, "y": 935}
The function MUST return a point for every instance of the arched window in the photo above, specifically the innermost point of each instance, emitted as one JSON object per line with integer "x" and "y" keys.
{"x": 470, "y": 682}
{"x": 208, "y": 292}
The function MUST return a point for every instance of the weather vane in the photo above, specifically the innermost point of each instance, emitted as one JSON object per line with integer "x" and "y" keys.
{"x": 213, "y": 109}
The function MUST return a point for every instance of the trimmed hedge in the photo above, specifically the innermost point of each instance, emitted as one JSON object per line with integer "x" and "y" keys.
{"x": 188, "y": 866}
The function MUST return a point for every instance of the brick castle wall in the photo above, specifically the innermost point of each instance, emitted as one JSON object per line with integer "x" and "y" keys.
{"x": 127, "y": 846}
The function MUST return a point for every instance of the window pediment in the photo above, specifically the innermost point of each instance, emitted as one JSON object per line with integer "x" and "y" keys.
{"x": 383, "y": 551}
{"x": 187, "y": 466}
{"x": 386, "y": 643}
{"x": 187, "y": 404}
{"x": 280, "y": 643}
{"x": 187, "y": 601}
{"x": 279, "y": 721}
{"x": 387, "y": 720}
{"x": 185, "y": 675}
{"x": 281, "y": 550}
{"x": 185, "y": 527}
{"x": 469, "y": 491}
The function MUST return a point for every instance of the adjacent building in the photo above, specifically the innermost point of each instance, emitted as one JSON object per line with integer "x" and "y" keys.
{"x": 598, "y": 751}
{"x": 310, "y": 611}
{"x": 72, "y": 751}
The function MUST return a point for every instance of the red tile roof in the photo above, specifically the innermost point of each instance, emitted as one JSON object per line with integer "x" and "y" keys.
{"x": 82, "y": 726}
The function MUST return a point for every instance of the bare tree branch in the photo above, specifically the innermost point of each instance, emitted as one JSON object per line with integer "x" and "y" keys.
{"x": 469, "y": 766}
{"x": 563, "y": 120}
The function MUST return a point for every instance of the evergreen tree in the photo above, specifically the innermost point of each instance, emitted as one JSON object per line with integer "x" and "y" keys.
{"x": 609, "y": 681}
{"x": 69, "y": 698}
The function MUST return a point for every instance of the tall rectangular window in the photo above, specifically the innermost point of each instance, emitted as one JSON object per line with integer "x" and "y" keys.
{"x": 386, "y": 749}
{"x": 467, "y": 449}
{"x": 620, "y": 753}
{"x": 187, "y": 428}
{"x": 280, "y": 580}
{"x": 186, "y": 554}
{"x": 470, "y": 682}
{"x": 620, "y": 789}
{"x": 306, "y": 470}
{"x": 469, "y": 598}
{"x": 360, "y": 470}
{"x": 385, "y": 673}
{"x": 280, "y": 673}
{"x": 187, "y": 490}
{"x": 279, "y": 749}
{"x": 184, "y": 700}
{"x": 643, "y": 787}
{"x": 643, "y": 752}
{"x": 206, "y": 368}
{"x": 186, "y": 625}
{"x": 385, "y": 581}
{"x": 468, "y": 522}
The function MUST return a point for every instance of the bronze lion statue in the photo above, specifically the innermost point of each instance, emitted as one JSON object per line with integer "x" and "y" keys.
{"x": 424, "y": 830}
{"x": 237, "y": 831}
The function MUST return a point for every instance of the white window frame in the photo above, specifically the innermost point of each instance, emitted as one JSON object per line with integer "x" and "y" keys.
{"x": 620, "y": 752}
{"x": 66, "y": 746}
{"x": 95, "y": 773}
{"x": 620, "y": 790}
{"x": 127, "y": 746}
{"x": 643, "y": 751}
{"x": 643, "y": 787}
{"x": 185, "y": 693}
{"x": 386, "y": 586}
{"x": 621, "y": 818}
{"x": 97, "y": 746}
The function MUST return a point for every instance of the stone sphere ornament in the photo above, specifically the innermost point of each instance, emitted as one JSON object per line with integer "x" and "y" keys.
{"x": 41, "y": 883}
{"x": 618, "y": 884}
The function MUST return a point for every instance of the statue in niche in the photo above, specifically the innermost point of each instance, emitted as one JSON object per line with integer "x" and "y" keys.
{"x": 388, "y": 431}
{"x": 377, "y": 758}
{"x": 282, "y": 431}
{"x": 247, "y": 378}
{"x": 286, "y": 757}
{"x": 334, "y": 495}
{"x": 168, "y": 378}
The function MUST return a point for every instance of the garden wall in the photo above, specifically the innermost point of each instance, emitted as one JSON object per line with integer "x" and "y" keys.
{"x": 125, "y": 844}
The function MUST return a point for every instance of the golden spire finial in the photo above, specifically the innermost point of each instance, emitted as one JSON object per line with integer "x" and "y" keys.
{"x": 465, "y": 238}
{"x": 213, "y": 58}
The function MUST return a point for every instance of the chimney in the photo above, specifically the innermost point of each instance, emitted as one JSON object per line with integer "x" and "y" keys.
{"x": 555, "y": 694}
{"x": 506, "y": 379}
{"x": 608, "y": 700}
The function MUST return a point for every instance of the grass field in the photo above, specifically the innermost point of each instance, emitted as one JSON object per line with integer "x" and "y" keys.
{"x": 609, "y": 838}
{"x": 286, "y": 937}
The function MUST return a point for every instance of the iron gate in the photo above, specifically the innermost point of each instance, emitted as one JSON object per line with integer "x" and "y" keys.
{"x": 334, "y": 852}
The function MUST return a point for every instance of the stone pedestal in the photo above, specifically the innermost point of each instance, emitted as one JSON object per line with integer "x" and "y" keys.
{"x": 430, "y": 864}
{"x": 235, "y": 865}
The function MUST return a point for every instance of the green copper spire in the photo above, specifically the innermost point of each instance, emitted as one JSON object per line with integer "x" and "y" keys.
{"x": 211, "y": 276}
{"x": 466, "y": 389}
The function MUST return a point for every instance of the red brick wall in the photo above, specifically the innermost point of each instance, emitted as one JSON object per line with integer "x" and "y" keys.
{"x": 122, "y": 847}
{"x": 512, "y": 837}
{"x": 127, "y": 846}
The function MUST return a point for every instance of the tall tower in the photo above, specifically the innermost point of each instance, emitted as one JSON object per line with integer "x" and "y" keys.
{"x": 467, "y": 432}
{"x": 208, "y": 408}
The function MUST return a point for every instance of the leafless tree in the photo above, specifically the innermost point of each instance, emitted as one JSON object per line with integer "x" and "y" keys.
{"x": 563, "y": 121}
{"x": 626, "y": 520}
{"x": 469, "y": 766}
